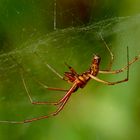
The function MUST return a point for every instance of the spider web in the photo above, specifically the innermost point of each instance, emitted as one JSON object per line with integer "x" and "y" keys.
{"x": 66, "y": 43}
{"x": 73, "y": 45}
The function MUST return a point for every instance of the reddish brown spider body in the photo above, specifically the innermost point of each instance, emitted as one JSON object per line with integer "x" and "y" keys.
{"x": 81, "y": 80}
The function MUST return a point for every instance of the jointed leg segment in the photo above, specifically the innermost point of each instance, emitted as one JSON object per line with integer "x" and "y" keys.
{"x": 42, "y": 117}
{"x": 71, "y": 69}
{"x": 115, "y": 72}
{"x": 122, "y": 69}
{"x": 61, "y": 104}
{"x": 51, "y": 103}
{"x": 111, "y": 54}
{"x": 51, "y": 114}
{"x": 106, "y": 82}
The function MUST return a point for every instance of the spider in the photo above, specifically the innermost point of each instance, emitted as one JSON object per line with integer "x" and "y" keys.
{"x": 77, "y": 81}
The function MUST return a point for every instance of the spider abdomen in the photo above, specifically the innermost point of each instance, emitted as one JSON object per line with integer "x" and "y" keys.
{"x": 83, "y": 79}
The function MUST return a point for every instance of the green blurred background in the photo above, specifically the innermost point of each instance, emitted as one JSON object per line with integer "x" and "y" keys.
{"x": 68, "y": 31}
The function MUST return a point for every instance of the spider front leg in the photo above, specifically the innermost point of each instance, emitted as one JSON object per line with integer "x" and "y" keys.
{"x": 61, "y": 104}
{"x": 42, "y": 117}
{"x": 49, "y": 66}
{"x": 51, "y": 114}
{"x": 51, "y": 103}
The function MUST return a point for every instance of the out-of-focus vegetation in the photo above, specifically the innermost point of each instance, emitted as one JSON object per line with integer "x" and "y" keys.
{"x": 62, "y": 31}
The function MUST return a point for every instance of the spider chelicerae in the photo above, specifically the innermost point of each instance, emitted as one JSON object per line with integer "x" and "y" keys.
{"x": 77, "y": 81}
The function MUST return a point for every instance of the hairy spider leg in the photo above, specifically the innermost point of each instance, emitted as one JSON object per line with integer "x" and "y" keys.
{"x": 111, "y": 54}
{"x": 117, "y": 82}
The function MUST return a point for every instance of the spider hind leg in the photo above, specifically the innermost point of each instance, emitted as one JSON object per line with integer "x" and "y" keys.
{"x": 110, "y": 52}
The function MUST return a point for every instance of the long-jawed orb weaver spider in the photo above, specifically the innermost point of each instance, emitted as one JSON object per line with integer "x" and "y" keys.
{"x": 77, "y": 81}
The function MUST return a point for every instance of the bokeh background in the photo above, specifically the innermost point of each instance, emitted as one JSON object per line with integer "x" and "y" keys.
{"x": 35, "y": 33}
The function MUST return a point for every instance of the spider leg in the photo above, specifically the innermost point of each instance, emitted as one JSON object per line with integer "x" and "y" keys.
{"x": 111, "y": 54}
{"x": 51, "y": 103}
{"x": 117, "y": 82}
{"x": 106, "y": 82}
{"x": 22, "y": 69}
{"x": 71, "y": 69}
{"x": 47, "y": 87}
{"x": 42, "y": 117}
{"x": 70, "y": 91}
{"x": 122, "y": 69}
{"x": 48, "y": 66}
{"x": 51, "y": 114}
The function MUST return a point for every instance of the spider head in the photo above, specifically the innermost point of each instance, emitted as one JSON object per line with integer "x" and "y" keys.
{"x": 94, "y": 68}
{"x": 96, "y": 59}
